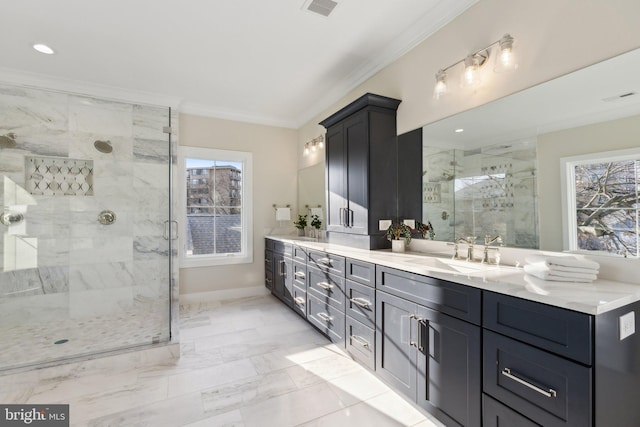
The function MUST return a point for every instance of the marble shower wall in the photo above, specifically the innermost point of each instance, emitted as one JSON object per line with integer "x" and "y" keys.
{"x": 485, "y": 191}
{"x": 61, "y": 263}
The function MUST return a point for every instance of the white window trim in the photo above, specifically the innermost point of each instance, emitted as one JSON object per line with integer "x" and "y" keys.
{"x": 568, "y": 193}
{"x": 246, "y": 158}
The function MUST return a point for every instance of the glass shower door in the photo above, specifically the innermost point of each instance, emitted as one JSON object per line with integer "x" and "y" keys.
{"x": 84, "y": 255}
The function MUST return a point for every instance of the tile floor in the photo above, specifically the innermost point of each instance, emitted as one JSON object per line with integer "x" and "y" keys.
{"x": 248, "y": 362}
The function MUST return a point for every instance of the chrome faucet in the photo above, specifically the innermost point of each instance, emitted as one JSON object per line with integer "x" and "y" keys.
{"x": 469, "y": 241}
{"x": 488, "y": 240}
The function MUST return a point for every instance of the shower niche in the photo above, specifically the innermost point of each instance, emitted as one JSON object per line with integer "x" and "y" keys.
{"x": 71, "y": 286}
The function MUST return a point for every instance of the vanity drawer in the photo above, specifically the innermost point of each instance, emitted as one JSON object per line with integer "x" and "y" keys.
{"x": 300, "y": 275}
{"x": 456, "y": 300}
{"x": 495, "y": 414}
{"x": 329, "y": 263}
{"x": 268, "y": 279}
{"x": 300, "y": 301}
{"x": 545, "y": 388}
{"x": 361, "y": 272}
{"x": 282, "y": 247}
{"x": 268, "y": 260}
{"x": 360, "y": 342}
{"x": 329, "y": 320}
{"x": 564, "y": 332}
{"x": 299, "y": 253}
{"x": 361, "y": 303}
{"x": 326, "y": 287}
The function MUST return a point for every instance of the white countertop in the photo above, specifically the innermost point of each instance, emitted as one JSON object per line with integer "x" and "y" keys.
{"x": 591, "y": 298}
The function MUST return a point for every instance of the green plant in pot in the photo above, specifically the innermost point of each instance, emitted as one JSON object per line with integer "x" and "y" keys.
{"x": 399, "y": 234}
{"x": 301, "y": 224}
{"x": 316, "y": 223}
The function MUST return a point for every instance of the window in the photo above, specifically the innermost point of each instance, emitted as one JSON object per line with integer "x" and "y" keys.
{"x": 216, "y": 226}
{"x": 601, "y": 203}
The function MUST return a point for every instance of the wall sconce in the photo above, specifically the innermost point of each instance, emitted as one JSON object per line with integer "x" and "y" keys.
{"x": 314, "y": 145}
{"x": 505, "y": 61}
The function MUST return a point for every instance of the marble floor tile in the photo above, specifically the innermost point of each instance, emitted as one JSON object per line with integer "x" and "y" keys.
{"x": 233, "y": 372}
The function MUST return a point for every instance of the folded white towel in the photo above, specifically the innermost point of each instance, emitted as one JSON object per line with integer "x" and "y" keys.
{"x": 543, "y": 272}
{"x": 563, "y": 261}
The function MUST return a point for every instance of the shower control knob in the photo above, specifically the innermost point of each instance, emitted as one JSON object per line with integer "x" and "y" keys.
{"x": 11, "y": 218}
{"x": 107, "y": 217}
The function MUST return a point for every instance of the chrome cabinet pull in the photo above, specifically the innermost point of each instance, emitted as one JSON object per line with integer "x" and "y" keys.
{"x": 411, "y": 342}
{"x": 423, "y": 324}
{"x": 324, "y": 285}
{"x": 325, "y": 317}
{"x": 360, "y": 340}
{"x": 282, "y": 269}
{"x": 549, "y": 393}
{"x": 361, "y": 302}
{"x": 350, "y": 218}
{"x": 299, "y": 274}
{"x": 341, "y": 215}
{"x": 325, "y": 261}
{"x": 299, "y": 300}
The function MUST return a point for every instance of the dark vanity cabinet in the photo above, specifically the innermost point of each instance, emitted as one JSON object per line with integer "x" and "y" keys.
{"x": 325, "y": 294}
{"x": 428, "y": 343}
{"x": 550, "y": 366}
{"x": 268, "y": 264}
{"x": 360, "y": 310}
{"x": 299, "y": 279}
{"x": 361, "y": 171}
{"x": 282, "y": 271}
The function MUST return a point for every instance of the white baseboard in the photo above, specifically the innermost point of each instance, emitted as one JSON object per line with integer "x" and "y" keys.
{"x": 224, "y": 294}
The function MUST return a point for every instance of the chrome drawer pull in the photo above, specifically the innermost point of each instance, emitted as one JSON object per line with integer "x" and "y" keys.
{"x": 299, "y": 274}
{"x": 361, "y": 302}
{"x": 325, "y": 317}
{"x": 507, "y": 373}
{"x": 299, "y": 300}
{"x": 325, "y": 261}
{"x": 360, "y": 340}
{"x": 324, "y": 285}
{"x": 269, "y": 280}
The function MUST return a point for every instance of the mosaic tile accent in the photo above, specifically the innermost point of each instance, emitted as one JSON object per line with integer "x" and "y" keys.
{"x": 54, "y": 176}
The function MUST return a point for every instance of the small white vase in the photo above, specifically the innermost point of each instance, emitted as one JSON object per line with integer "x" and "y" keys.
{"x": 398, "y": 245}
{"x": 300, "y": 232}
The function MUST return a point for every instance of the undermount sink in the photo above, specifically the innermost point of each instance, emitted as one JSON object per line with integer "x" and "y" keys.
{"x": 453, "y": 265}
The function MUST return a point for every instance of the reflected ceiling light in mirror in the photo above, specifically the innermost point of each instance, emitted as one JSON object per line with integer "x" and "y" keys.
{"x": 505, "y": 61}
{"x": 43, "y": 48}
{"x": 459, "y": 130}
{"x": 314, "y": 145}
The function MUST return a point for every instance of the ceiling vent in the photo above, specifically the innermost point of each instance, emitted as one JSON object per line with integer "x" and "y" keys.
{"x": 618, "y": 97}
{"x": 321, "y": 7}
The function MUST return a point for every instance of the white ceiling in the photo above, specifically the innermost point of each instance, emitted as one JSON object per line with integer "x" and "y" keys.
{"x": 260, "y": 61}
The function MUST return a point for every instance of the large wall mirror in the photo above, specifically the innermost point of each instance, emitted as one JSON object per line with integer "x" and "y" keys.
{"x": 496, "y": 169}
{"x": 311, "y": 192}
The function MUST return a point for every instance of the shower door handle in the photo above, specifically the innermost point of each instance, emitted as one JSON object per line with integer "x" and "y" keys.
{"x": 169, "y": 228}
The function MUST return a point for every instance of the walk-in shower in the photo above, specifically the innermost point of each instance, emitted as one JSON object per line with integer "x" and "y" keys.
{"x": 86, "y": 263}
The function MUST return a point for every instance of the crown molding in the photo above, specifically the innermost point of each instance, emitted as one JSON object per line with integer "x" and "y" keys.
{"x": 225, "y": 114}
{"x": 42, "y": 81}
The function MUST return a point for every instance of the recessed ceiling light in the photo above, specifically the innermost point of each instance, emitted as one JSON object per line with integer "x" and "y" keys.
{"x": 459, "y": 130}
{"x": 43, "y": 48}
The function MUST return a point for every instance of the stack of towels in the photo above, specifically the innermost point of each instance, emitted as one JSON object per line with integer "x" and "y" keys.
{"x": 562, "y": 268}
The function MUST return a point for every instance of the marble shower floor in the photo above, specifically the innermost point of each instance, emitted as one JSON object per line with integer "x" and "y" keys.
{"x": 25, "y": 344}
{"x": 248, "y": 362}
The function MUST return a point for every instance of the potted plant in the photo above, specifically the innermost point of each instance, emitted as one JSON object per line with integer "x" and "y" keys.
{"x": 425, "y": 229}
{"x": 399, "y": 234}
{"x": 301, "y": 224}
{"x": 316, "y": 223}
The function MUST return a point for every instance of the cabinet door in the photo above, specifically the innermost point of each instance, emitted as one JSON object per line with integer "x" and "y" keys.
{"x": 282, "y": 278}
{"x": 336, "y": 178}
{"x": 449, "y": 368}
{"x": 395, "y": 333}
{"x": 356, "y": 135}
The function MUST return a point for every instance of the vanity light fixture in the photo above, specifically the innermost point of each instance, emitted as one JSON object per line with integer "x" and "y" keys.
{"x": 505, "y": 61}
{"x": 43, "y": 48}
{"x": 314, "y": 145}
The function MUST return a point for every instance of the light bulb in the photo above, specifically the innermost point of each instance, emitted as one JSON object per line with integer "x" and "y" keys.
{"x": 306, "y": 150}
{"x": 313, "y": 147}
{"x": 506, "y": 60}
{"x": 441, "y": 85}
{"x": 321, "y": 142}
{"x": 470, "y": 75}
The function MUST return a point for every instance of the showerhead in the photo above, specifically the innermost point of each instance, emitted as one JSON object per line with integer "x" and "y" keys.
{"x": 103, "y": 146}
{"x": 8, "y": 140}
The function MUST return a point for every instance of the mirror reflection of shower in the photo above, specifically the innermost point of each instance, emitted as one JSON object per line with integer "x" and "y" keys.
{"x": 103, "y": 146}
{"x": 8, "y": 140}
